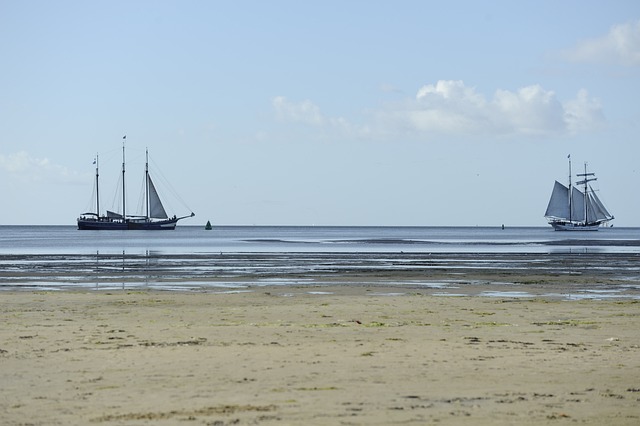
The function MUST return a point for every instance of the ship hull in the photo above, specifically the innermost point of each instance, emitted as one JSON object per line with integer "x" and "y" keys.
{"x": 95, "y": 224}
{"x": 568, "y": 226}
{"x": 143, "y": 225}
{"x": 155, "y": 225}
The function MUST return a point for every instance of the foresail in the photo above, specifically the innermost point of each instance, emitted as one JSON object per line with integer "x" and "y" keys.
{"x": 559, "y": 203}
{"x": 156, "y": 209}
{"x": 600, "y": 211}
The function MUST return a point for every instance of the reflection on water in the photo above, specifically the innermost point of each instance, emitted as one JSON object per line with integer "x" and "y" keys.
{"x": 301, "y": 239}
{"x": 446, "y": 260}
{"x": 594, "y": 275}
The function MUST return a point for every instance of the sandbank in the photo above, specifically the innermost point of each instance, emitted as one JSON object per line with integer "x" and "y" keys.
{"x": 324, "y": 354}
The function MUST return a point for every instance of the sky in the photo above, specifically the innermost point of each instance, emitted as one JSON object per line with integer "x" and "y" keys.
{"x": 361, "y": 112}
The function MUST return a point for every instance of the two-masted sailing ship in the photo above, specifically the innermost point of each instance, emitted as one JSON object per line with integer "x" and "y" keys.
{"x": 155, "y": 217}
{"x": 574, "y": 209}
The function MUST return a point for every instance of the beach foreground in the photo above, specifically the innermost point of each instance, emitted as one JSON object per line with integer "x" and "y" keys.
{"x": 333, "y": 354}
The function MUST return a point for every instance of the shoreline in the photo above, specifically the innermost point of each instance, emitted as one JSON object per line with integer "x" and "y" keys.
{"x": 336, "y": 354}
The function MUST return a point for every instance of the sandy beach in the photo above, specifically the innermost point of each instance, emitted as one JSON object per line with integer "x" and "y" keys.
{"x": 327, "y": 354}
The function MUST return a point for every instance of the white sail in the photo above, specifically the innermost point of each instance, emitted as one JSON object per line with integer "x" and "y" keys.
{"x": 559, "y": 203}
{"x": 600, "y": 211}
{"x": 577, "y": 205}
{"x": 156, "y": 209}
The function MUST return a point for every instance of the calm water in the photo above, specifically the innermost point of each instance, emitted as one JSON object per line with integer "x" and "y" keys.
{"x": 298, "y": 239}
{"x": 241, "y": 258}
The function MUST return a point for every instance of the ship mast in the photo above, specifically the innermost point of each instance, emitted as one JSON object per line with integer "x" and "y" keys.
{"x": 97, "y": 189}
{"x": 146, "y": 180}
{"x": 570, "y": 191}
{"x": 124, "y": 138}
{"x": 586, "y": 180}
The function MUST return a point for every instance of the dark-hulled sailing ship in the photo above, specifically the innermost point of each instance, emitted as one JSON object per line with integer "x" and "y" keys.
{"x": 155, "y": 217}
{"x": 572, "y": 209}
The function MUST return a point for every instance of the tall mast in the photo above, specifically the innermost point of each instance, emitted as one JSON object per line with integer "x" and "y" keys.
{"x": 586, "y": 180}
{"x": 585, "y": 193}
{"x": 570, "y": 191}
{"x": 146, "y": 179}
{"x": 124, "y": 138}
{"x": 97, "y": 189}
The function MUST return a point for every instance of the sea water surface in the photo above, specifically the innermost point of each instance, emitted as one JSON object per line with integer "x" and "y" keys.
{"x": 241, "y": 258}
{"x": 329, "y": 239}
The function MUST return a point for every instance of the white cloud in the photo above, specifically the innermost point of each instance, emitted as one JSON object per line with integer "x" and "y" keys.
{"x": 621, "y": 45}
{"x": 304, "y": 112}
{"x": 448, "y": 106}
{"x": 583, "y": 114}
{"x": 451, "y": 108}
{"x": 529, "y": 110}
{"x": 307, "y": 112}
{"x": 26, "y": 168}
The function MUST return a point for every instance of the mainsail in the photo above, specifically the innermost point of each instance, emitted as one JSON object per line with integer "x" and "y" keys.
{"x": 156, "y": 209}
{"x": 577, "y": 206}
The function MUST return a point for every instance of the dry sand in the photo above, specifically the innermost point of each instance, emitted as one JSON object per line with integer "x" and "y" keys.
{"x": 325, "y": 355}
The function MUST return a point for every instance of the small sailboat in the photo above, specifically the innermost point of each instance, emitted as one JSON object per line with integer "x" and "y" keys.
{"x": 155, "y": 217}
{"x": 574, "y": 209}
{"x": 208, "y": 226}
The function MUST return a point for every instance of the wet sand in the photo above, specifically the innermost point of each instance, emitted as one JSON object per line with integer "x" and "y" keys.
{"x": 575, "y": 275}
{"x": 348, "y": 350}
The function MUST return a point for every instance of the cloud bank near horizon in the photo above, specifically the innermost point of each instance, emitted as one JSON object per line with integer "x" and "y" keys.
{"x": 21, "y": 165}
{"x": 449, "y": 107}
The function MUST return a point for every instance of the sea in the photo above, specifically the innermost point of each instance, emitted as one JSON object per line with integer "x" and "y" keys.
{"x": 20, "y": 240}
{"x": 239, "y": 258}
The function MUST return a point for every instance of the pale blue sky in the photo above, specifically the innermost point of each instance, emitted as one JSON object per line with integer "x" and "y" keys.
{"x": 325, "y": 113}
